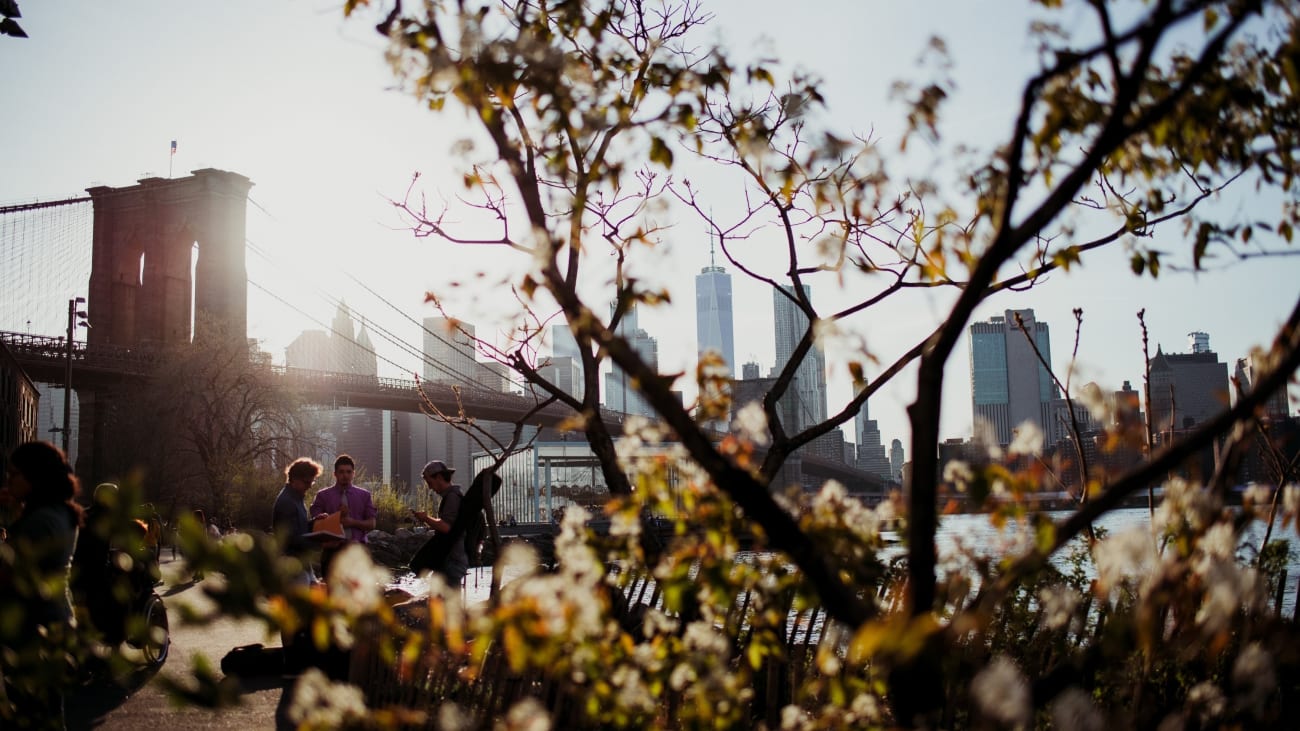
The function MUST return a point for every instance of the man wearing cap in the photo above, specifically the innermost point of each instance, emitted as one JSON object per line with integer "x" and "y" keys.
{"x": 437, "y": 476}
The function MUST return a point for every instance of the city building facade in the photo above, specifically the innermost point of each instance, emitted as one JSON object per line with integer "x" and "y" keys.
{"x": 871, "y": 451}
{"x": 714, "y": 324}
{"x": 621, "y": 393}
{"x": 1009, "y": 383}
{"x": 896, "y": 459}
{"x": 1186, "y": 389}
{"x": 1247, "y": 373}
{"x": 19, "y": 406}
{"x": 345, "y": 429}
{"x": 806, "y": 397}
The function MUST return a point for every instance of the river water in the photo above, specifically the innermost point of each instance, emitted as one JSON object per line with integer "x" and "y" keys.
{"x": 966, "y": 534}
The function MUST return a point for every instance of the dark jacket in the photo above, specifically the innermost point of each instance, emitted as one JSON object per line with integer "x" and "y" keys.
{"x": 440, "y": 553}
{"x": 289, "y": 520}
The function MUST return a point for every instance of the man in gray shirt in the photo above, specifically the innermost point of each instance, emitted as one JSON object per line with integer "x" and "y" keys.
{"x": 437, "y": 476}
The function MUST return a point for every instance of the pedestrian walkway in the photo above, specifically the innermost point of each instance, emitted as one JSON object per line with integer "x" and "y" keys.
{"x": 139, "y": 701}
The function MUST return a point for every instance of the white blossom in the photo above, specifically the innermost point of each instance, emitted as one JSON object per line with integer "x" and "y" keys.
{"x": 828, "y": 664}
{"x": 320, "y": 703}
{"x": 1229, "y": 587}
{"x": 633, "y": 694}
{"x": 1206, "y": 701}
{"x": 517, "y": 559}
{"x": 1096, "y": 401}
{"x": 451, "y": 717}
{"x": 751, "y": 422}
{"x": 1028, "y": 440}
{"x": 658, "y": 623}
{"x": 1219, "y": 541}
{"x": 1254, "y": 678}
{"x": 624, "y": 524}
{"x": 1059, "y": 603}
{"x": 355, "y": 582}
{"x": 682, "y": 676}
{"x": 526, "y": 715}
{"x": 959, "y": 473}
{"x": 702, "y": 636}
{"x": 1257, "y": 495}
{"x": 833, "y": 504}
{"x": 1185, "y": 507}
{"x": 794, "y": 718}
{"x": 865, "y": 707}
{"x": 1002, "y": 692}
{"x": 1073, "y": 710}
{"x": 1125, "y": 555}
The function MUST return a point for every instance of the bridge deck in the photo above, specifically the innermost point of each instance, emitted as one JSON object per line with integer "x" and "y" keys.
{"x": 46, "y": 359}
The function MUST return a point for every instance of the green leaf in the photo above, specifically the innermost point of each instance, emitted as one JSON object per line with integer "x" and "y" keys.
{"x": 660, "y": 153}
{"x": 1202, "y": 242}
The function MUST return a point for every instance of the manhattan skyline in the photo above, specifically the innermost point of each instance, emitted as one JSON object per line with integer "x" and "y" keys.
{"x": 297, "y": 108}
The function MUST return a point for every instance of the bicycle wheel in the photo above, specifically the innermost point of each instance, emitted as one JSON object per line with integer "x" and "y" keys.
{"x": 157, "y": 639}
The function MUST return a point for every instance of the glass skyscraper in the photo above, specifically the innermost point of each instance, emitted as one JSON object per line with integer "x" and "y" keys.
{"x": 621, "y": 393}
{"x": 714, "y": 327}
{"x": 808, "y": 393}
{"x": 1009, "y": 384}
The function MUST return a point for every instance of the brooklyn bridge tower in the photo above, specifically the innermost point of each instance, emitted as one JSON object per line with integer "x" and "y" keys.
{"x": 168, "y": 253}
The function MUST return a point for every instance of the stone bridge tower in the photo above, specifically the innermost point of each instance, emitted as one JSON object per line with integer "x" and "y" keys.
{"x": 163, "y": 251}
{"x": 161, "y": 246}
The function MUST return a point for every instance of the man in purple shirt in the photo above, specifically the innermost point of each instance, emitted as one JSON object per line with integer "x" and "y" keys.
{"x": 358, "y": 511}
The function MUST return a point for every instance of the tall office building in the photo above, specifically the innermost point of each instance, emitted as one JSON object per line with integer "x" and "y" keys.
{"x": 358, "y": 432}
{"x": 806, "y": 397}
{"x": 1278, "y": 405}
{"x": 564, "y": 367}
{"x": 896, "y": 459}
{"x": 1186, "y": 388}
{"x": 1009, "y": 385}
{"x": 449, "y": 351}
{"x": 346, "y": 348}
{"x": 450, "y": 357}
{"x": 565, "y": 373}
{"x": 621, "y": 394}
{"x": 563, "y": 344}
{"x": 871, "y": 452}
{"x": 714, "y": 326}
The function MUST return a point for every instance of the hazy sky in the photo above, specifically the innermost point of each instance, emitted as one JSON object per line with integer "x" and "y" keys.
{"x": 301, "y": 102}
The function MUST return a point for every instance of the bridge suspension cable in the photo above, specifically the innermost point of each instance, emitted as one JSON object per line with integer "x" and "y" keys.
{"x": 46, "y": 250}
{"x": 377, "y": 329}
{"x": 46, "y": 247}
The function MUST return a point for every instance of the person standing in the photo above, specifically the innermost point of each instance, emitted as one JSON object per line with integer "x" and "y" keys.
{"x": 354, "y": 504}
{"x": 94, "y": 581}
{"x": 289, "y": 514}
{"x": 41, "y": 486}
{"x": 196, "y": 574}
{"x": 437, "y": 477}
{"x": 290, "y": 524}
